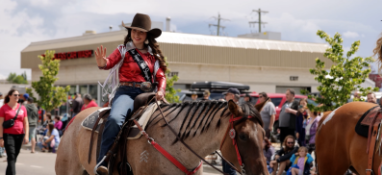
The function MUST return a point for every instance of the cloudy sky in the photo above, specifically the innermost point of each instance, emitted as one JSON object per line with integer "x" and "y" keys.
{"x": 26, "y": 21}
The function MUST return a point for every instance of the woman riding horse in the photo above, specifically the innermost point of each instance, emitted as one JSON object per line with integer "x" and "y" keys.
{"x": 137, "y": 65}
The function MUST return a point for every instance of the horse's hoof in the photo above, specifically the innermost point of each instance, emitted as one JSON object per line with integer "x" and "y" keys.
{"x": 102, "y": 170}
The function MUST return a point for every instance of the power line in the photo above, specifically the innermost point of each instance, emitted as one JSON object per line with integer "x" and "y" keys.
{"x": 259, "y": 22}
{"x": 218, "y": 26}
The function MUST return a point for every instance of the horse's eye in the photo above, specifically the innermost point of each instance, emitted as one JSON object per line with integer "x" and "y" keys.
{"x": 243, "y": 137}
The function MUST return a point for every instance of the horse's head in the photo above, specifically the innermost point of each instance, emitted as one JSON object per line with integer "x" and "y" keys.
{"x": 246, "y": 131}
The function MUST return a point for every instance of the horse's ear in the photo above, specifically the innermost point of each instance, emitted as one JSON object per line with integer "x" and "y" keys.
{"x": 234, "y": 108}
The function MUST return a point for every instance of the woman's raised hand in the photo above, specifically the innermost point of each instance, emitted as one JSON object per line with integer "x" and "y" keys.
{"x": 100, "y": 55}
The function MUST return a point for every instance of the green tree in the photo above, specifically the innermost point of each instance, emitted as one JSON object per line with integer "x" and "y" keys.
{"x": 24, "y": 75}
{"x": 51, "y": 97}
{"x": 345, "y": 75}
{"x": 17, "y": 79}
{"x": 170, "y": 95}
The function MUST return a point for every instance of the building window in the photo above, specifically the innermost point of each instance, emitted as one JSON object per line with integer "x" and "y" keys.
{"x": 73, "y": 89}
{"x": 83, "y": 89}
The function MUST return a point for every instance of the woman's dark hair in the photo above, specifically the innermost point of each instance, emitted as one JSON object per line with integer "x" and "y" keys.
{"x": 154, "y": 46}
{"x": 264, "y": 95}
{"x": 49, "y": 116}
{"x": 268, "y": 144}
{"x": 88, "y": 97}
{"x": 50, "y": 128}
{"x": 303, "y": 99}
{"x": 315, "y": 113}
{"x": 7, "y": 99}
{"x": 57, "y": 117}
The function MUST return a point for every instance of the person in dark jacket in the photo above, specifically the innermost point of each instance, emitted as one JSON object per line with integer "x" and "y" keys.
{"x": 287, "y": 117}
{"x": 282, "y": 156}
{"x": 301, "y": 121}
{"x": 32, "y": 112}
{"x": 77, "y": 104}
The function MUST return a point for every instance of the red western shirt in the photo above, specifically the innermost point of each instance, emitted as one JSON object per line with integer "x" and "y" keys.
{"x": 8, "y": 113}
{"x": 131, "y": 72}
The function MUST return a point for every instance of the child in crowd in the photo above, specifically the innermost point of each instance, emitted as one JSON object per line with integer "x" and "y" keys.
{"x": 51, "y": 140}
{"x": 301, "y": 163}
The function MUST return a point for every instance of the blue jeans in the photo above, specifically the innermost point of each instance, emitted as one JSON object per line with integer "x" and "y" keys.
{"x": 122, "y": 107}
{"x": 228, "y": 169}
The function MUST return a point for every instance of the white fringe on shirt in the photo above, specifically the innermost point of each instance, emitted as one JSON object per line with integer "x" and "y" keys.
{"x": 111, "y": 83}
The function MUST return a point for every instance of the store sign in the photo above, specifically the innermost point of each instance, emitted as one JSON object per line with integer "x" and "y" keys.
{"x": 171, "y": 74}
{"x": 293, "y": 78}
{"x": 73, "y": 55}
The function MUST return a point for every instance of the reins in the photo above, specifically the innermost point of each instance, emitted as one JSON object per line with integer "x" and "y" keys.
{"x": 152, "y": 142}
{"x": 186, "y": 145}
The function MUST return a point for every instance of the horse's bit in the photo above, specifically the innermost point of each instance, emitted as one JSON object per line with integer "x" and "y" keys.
{"x": 232, "y": 134}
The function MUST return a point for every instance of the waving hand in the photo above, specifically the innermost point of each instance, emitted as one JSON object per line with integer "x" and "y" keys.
{"x": 100, "y": 55}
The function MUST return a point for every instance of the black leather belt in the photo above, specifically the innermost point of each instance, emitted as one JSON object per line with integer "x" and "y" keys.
{"x": 144, "y": 86}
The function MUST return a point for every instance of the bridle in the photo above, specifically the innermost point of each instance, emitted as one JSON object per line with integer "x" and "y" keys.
{"x": 232, "y": 134}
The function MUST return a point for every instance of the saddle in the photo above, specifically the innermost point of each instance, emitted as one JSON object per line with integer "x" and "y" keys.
{"x": 369, "y": 127}
{"x": 362, "y": 127}
{"x": 96, "y": 121}
{"x": 92, "y": 123}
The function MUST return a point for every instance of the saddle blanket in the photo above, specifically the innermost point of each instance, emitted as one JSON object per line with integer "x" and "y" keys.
{"x": 362, "y": 127}
{"x": 134, "y": 133}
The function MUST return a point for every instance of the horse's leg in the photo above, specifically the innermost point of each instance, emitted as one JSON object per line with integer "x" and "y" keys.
{"x": 73, "y": 150}
{"x": 67, "y": 161}
{"x": 83, "y": 150}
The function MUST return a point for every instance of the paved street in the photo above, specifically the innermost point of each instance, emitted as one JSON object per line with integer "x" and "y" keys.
{"x": 43, "y": 164}
{"x": 32, "y": 164}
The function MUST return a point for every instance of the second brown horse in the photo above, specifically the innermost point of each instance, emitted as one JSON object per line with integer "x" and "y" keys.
{"x": 338, "y": 146}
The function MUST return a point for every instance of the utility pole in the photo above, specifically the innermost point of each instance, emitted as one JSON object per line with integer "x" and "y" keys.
{"x": 218, "y": 26}
{"x": 259, "y": 22}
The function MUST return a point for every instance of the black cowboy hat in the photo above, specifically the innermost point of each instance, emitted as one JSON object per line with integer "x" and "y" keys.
{"x": 142, "y": 22}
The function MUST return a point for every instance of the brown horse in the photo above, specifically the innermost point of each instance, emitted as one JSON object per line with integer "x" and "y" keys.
{"x": 338, "y": 146}
{"x": 202, "y": 125}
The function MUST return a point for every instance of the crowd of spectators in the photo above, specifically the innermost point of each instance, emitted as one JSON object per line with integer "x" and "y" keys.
{"x": 297, "y": 129}
{"x": 45, "y": 129}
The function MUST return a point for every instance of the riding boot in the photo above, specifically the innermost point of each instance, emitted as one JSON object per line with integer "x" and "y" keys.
{"x": 102, "y": 170}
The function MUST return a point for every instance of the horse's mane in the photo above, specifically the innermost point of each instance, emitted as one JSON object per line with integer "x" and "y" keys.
{"x": 199, "y": 115}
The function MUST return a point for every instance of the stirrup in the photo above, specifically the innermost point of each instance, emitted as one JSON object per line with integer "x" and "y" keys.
{"x": 98, "y": 165}
{"x": 102, "y": 170}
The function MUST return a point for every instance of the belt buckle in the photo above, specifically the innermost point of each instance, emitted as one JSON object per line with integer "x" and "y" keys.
{"x": 146, "y": 86}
